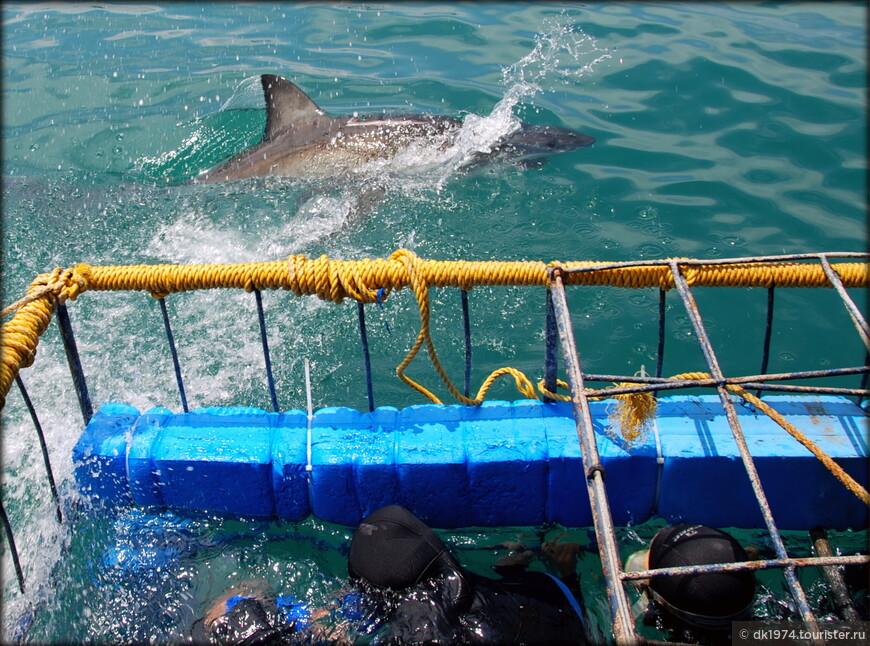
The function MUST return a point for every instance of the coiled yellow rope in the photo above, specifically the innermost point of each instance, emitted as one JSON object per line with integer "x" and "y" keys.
{"x": 413, "y": 266}
{"x": 20, "y": 336}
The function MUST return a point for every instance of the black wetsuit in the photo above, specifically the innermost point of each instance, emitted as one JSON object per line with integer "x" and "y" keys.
{"x": 419, "y": 594}
{"x": 526, "y": 610}
{"x": 430, "y": 599}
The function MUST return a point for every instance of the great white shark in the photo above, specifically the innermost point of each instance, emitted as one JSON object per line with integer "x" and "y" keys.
{"x": 303, "y": 141}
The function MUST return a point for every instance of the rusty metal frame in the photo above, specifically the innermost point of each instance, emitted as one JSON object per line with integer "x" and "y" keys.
{"x": 615, "y": 577}
{"x": 620, "y": 608}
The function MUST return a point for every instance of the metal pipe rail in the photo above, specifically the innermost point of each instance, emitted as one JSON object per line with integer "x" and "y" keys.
{"x": 655, "y": 384}
{"x": 742, "y": 566}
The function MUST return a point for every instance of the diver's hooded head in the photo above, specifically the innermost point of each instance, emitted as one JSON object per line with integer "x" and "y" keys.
{"x": 393, "y": 549}
{"x": 708, "y": 600}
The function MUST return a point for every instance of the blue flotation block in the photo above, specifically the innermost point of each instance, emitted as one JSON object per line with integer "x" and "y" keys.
{"x": 497, "y": 464}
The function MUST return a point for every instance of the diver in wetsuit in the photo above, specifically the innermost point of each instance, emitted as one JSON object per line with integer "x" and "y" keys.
{"x": 695, "y": 607}
{"x": 413, "y": 592}
{"x": 428, "y": 598}
{"x": 248, "y": 621}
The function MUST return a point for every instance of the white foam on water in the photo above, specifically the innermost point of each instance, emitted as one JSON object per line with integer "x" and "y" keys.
{"x": 199, "y": 241}
{"x": 563, "y": 55}
{"x": 195, "y": 237}
{"x": 39, "y": 539}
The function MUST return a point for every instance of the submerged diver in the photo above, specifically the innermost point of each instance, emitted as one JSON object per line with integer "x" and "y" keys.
{"x": 248, "y": 614}
{"x": 409, "y": 589}
{"x": 427, "y": 597}
{"x": 699, "y": 607}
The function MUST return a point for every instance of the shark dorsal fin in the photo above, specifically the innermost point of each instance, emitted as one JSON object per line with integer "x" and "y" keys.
{"x": 286, "y": 105}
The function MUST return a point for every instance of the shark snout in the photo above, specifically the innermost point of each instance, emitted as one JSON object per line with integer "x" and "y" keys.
{"x": 537, "y": 141}
{"x": 549, "y": 139}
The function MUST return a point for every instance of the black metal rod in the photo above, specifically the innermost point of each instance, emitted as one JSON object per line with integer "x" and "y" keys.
{"x": 48, "y": 471}
{"x": 12, "y": 549}
{"x": 466, "y": 326}
{"x": 768, "y": 331}
{"x": 270, "y": 380}
{"x": 74, "y": 361}
{"x": 175, "y": 364}
{"x": 748, "y": 463}
{"x": 551, "y": 356}
{"x": 660, "y": 353}
{"x": 365, "y": 348}
{"x": 620, "y": 610}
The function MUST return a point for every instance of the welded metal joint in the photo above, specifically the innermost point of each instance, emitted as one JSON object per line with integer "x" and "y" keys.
{"x": 598, "y": 467}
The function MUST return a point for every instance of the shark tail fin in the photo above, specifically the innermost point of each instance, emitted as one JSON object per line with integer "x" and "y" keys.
{"x": 286, "y": 105}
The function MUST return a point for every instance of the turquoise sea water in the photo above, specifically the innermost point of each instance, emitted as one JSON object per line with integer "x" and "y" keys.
{"x": 722, "y": 130}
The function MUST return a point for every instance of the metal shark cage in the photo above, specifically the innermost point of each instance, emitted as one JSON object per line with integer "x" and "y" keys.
{"x": 615, "y": 576}
{"x": 370, "y": 281}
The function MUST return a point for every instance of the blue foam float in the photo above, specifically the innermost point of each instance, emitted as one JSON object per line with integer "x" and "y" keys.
{"x": 497, "y": 464}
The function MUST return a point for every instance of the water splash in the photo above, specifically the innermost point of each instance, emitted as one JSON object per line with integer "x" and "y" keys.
{"x": 284, "y": 217}
{"x": 563, "y": 54}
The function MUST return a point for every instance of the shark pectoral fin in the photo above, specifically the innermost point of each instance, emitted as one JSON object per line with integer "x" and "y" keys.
{"x": 286, "y": 105}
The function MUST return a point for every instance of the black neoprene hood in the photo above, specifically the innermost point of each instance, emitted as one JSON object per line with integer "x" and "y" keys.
{"x": 715, "y": 594}
{"x": 394, "y": 549}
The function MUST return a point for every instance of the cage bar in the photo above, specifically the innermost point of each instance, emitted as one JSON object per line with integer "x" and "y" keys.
{"x": 270, "y": 379}
{"x": 175, "y": 364}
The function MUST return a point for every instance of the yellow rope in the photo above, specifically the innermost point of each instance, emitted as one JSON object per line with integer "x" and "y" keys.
{"x": 555, "y": 396}
{"x": 20, "y": 335}
{"x": 336, "y": 280}
{"x": 412, "y": 265}
{"x": 630, "y": 415}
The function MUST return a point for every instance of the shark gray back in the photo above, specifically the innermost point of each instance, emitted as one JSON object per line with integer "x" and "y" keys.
{"x": 301, "y": 140}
